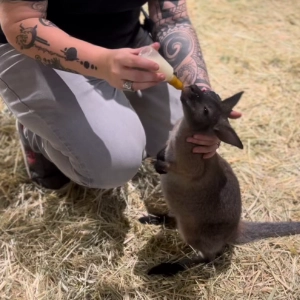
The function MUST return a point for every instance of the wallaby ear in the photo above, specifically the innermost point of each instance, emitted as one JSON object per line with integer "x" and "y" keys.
{"x": 226, "y": 133}
{"x": 229, "y": 103}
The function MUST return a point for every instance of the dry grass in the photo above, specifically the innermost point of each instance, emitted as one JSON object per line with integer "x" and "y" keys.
{"x": 88, "y": 244}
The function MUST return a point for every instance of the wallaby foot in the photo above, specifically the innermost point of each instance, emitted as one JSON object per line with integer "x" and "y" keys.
{"x": 172, "y": 268}
{"x": 160, "y": 165}
{"x": 164, "y": 219}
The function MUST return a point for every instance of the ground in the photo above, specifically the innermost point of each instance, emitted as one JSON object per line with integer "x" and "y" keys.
{"x": 88, "y": 244}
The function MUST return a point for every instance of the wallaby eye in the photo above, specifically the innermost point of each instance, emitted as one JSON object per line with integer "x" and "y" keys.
{"x": 205, "y": 111}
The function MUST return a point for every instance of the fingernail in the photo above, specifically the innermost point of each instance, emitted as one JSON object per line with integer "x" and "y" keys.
{"x": 162, "y": 77}
{"x": 156, "y": 67}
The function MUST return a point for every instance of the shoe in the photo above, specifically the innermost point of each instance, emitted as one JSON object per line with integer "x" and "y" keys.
{"x": 39, "y": 169}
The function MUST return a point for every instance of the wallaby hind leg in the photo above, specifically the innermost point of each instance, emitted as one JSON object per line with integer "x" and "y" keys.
{"x": 164, "y": 219}
{"x": 172, "y": 268}
{"x": 210, "y": 249}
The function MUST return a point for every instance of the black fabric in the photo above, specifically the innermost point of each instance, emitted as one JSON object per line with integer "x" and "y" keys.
{"x": 108, "y": 23}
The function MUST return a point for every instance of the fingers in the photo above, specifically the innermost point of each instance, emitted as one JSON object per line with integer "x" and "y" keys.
{"x": 204, "y": 140}
{"x": 208, "y": 155}
{"x": 137, "y": 85}
{"x": 129, "y": 58}
{"x": 235, "y": 115}
{"x": 129, "y": 66}
{"x": 206, "y": 145}
{"x": 139, "y": 62}
{"x": 143, "y": 85}
{"x": 141, "y": 79}
{"x": 155, "y": 45}
{"x": 205, "y": 149}
{"x": 140, "y": 76}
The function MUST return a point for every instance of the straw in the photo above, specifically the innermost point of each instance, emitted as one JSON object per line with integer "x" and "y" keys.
{"x": 88, "y": 244}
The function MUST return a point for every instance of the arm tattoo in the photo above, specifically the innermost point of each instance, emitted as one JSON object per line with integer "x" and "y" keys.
{"x": 178, "y": 39}
{"x": 28, "y": 38}
{"x": 46, "y": 23}
{"x": 40, "y": 6}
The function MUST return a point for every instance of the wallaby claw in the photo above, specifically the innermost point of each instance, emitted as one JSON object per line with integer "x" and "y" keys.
{"x": 164, "y": 219}
{"x": 152, "y": 219}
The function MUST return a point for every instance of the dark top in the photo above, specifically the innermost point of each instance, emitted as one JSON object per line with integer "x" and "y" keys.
{"x": 107, "y": 23}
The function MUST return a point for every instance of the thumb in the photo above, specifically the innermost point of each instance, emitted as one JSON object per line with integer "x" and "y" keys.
{"x": 155, "y": 45}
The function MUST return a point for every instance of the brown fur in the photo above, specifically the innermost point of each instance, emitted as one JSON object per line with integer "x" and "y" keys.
{"x": 203, "y": 195}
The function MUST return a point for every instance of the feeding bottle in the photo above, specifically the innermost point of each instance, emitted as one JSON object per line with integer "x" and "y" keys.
{"x": 164, "y": 67}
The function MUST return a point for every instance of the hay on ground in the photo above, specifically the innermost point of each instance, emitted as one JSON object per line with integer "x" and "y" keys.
{"x": 88, "y": 244}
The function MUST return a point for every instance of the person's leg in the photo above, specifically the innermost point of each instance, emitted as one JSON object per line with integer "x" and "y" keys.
{"x": 85, "y": 127}
{"x": 158, "y": 107}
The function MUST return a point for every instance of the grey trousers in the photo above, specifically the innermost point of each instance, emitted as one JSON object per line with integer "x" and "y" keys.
{"x": 95, "y": 134}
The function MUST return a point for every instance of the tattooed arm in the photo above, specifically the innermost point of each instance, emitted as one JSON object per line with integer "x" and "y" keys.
{"x": 178, "y": 39}
{"x": 26, "y": 28}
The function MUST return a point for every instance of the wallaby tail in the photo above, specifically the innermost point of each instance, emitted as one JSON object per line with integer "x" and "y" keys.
{"x": 250, "y": 231}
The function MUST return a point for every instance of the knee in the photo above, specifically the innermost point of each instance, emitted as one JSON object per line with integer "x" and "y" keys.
{"x": 112, "y": 166}
{"x": 115, "y": 174}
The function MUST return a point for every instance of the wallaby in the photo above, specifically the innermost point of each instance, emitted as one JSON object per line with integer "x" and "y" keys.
{"x": 203, "y": 195}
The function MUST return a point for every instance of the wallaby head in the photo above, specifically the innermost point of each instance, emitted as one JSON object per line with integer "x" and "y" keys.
{"x": 205, "y": 111}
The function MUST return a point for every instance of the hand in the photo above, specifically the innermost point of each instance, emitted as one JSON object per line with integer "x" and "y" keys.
{"x": 235, "y": 115}
{"x": 207, "y": 145}
{"x": 122, "y": 65}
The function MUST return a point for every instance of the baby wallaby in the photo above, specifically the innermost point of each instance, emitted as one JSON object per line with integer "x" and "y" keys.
{"x": 203, "y": 195}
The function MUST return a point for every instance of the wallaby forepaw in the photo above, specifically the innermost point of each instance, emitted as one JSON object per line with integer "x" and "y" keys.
{"x": 161, "y": 167}
{"x": 163, "y": 219}
{"x": 151, "y": 219}
{"x": 166, "y": 269}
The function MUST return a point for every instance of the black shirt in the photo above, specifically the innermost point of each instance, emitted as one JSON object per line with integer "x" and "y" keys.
{"x": 107, "y": 23}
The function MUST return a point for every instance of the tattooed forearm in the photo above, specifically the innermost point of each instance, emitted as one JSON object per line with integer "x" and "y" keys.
{"x": 179, "y": 42}
{"x": 37, "y": 6}
{"x": 182, "y": 50}
{"x": 54, "y": 63}
{"x": 40, "y": 7}
{"x": 46, "y": 22}
{"x": 29, "y": 38}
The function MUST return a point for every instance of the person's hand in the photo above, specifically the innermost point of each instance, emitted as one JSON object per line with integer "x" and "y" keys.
{"x": 126, "y": 65}
{"x": 207, "y": 145}
{"x": 235, "y": 115}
